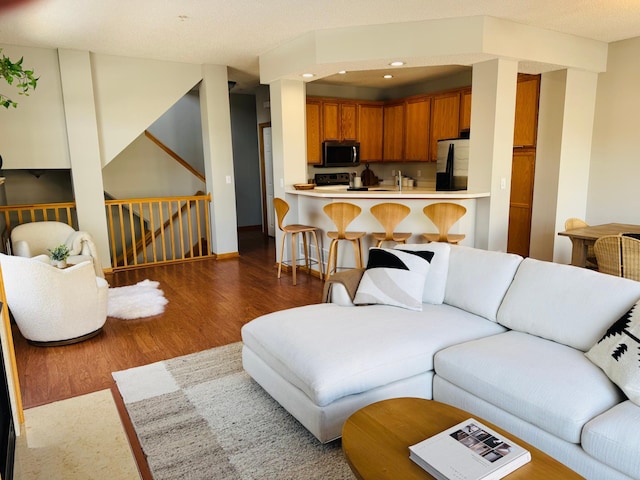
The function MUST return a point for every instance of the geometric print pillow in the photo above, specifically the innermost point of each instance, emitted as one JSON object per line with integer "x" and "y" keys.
{"x": 618, "y": 353}
{"x": 394, "y": 277}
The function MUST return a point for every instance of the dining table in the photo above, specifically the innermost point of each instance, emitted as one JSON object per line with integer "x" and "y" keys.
{"x": 582, "y": 237}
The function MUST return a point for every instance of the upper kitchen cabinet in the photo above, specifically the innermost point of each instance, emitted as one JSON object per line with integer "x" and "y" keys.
{"x": 526, "y": 119}
{"x": 314, "y": 131}
{"x": 465, "y": 109}
{"x": 416, "y": 131}
{"x": 370, "y": 128}
{"x": 393, "y": 132}
{"x": 339, "y": 120}
{"x": 445, "y": 119}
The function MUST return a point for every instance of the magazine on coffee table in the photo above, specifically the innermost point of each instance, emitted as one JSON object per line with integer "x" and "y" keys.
{"x": 468, "y": 451}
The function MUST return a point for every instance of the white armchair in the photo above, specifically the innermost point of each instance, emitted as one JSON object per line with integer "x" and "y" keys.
{"x": 36, "y": 238}
{"x": 53, "y": 306}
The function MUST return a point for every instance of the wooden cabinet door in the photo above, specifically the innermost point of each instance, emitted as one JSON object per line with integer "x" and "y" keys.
{"x": 330, "y": 120}
{"x": 521, "y": 202}
{"x": 526, "y": 119}
{"x": 416, "y": 134}
{"x": 445, "y": 120}
{"x": 393, "y": 132}
{"x": 465, "y": 109}
{"x": 348, "y": 121}
{"x": 370, "y": 127}
{"x": 314, "y": 132}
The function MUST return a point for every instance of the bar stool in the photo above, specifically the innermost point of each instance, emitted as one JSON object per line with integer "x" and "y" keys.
{"x": 342, "y": 214}
{"x": 444, "y": 215}
{"x": 390, "y": 215}
{"x": 282, "y": 207}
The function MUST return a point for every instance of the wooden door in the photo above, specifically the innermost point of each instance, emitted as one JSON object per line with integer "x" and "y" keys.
{"x": 370, "y": 132}
{"x": 416, "y": 135}
{"x": 520, "y": 206}
{"x": 393, "y": 131}
{"x": 445, "y": 120}
{"x": 314, "y": 132}
{"x": 526, "y": 118}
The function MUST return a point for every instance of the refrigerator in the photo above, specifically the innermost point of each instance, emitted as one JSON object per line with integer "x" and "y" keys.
{"x": 452, "y": 164}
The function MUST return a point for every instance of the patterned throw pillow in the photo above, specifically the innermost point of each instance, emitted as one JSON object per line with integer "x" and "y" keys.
{"x": 618, "y": 353}
{"x": 394, "y": 277}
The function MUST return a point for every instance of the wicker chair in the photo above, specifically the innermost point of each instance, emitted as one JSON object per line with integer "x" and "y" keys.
{"x": 609, "y": 254}
{"x": 572, "y": 223}
{"x": 630, "y": 257}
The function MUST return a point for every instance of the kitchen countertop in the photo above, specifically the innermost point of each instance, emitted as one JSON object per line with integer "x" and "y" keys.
{"x": 339, "y": 191}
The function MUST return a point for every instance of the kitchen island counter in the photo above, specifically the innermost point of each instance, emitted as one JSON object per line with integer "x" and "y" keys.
{"x": 388, "y": 193}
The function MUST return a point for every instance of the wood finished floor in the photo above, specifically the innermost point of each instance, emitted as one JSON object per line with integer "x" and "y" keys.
{"x": 209, "y": 301}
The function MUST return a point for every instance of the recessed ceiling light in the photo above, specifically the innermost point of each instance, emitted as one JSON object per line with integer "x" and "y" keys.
{"x": 397, "y": 63}
{"x": 342, "y": 72}
{"x": 387, "y": 76}
{"x": 308, "y": 75}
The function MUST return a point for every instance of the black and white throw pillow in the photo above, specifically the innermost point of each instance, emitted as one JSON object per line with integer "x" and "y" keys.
{"x": 617, "y": 353}
{"x": 394, "y": 277}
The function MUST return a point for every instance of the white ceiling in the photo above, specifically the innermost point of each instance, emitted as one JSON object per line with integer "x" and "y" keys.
{"x": 235, "y": 33}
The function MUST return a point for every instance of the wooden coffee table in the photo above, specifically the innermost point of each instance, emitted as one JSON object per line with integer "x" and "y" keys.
{"x": 376, "y": 440}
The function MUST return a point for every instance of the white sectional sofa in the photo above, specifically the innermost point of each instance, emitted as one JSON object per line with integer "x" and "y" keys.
{"x": 501, "y": 337}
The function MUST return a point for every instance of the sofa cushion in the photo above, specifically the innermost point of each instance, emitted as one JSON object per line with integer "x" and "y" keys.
{"x": 566, "y": 304}
{"x": 393, "y": 277}
{"x": 478, "y": 279}
{"x": 436, "y": 281}
{"x": 617, "y": 353}
{"x": 614, "y": 438}
{"x": 547, "y": 384}
{"x": 329, "y": 351}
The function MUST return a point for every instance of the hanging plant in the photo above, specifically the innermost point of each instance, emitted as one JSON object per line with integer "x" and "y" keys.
{"x": 10, "y": 71}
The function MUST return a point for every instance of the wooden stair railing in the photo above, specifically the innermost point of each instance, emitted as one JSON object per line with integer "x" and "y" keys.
{"x": 174, "y": 155}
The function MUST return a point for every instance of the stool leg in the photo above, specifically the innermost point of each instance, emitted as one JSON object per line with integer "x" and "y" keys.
{"x": 293, "y": 256}
{"x": 315, "y": 239}
{"x": 357, "y": 252}
{"x": 332, "y": 259}
{"x": 307, "y": 262}
{"x": 284, "y": 235}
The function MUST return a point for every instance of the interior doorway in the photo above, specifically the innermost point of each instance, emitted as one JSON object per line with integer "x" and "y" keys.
{"x": 266, "y": 173}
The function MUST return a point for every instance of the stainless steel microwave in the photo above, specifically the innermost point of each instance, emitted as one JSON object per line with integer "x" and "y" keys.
{"x": 340, "y": 154}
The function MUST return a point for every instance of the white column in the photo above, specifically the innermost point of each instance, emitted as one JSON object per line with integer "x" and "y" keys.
{"x": 492, "y": 119}
{"x": 289, "y": 146}
{"x": 218, "y": 159}
{"x": 84, "y": 147}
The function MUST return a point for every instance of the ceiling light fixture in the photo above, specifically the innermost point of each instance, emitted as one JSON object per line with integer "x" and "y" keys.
{"x": 308, "y": 75}
{"x": 397, "y": 63}
{"x": 342, "y": 72}
{"x": 387, "y": 76}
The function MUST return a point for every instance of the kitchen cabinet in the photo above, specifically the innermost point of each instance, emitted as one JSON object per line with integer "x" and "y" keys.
{"x": 370, "y": 128}
{"x": 416, "y": 131}
{"x": 393, "y": 132}
{"x": 339, "y": 120}
{"x": 526, "y": 119}
{"x": 445, "y": 120}
{"x": 314, "y": 131}
{"x": 465, "y": 109}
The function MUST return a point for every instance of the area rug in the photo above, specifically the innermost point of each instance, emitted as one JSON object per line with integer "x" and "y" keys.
{"x": 144, "y": 299}
{"x": 202, "y": 417}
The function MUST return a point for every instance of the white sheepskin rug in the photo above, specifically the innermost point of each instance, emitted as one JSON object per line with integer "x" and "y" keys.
{"x": 144, "y": 299}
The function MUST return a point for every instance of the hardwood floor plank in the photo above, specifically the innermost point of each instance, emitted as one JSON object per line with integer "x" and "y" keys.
{"x": 209, "y": 301}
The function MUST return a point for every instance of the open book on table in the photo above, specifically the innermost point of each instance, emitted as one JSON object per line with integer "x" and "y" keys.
{"x": 468, "y": 451}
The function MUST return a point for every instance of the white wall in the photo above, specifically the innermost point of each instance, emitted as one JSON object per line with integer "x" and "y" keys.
{"x": 615, "y": 159}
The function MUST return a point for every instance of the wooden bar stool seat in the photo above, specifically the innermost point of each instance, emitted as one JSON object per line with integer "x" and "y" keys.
{"x": 444, "y": 215}
{"x": 390, "y": 215}
{"x": 342, "y": 214}
{"x": 282, "y": 207}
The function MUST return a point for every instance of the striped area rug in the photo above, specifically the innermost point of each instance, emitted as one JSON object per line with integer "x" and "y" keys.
{"x": 202, "y": 417}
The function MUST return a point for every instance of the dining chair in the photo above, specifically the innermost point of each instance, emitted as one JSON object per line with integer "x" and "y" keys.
{"x": 609, "y": 254}
{"x": 342, "y": 214}
{"x": 630, "y": 257}
{"x": 282, "y": 207}
{"x": 572, "y": 223}
{"x": 444, "y": 215}
{"x": 390, "y": 215}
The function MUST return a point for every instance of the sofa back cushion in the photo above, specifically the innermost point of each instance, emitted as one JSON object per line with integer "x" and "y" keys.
{"x": 569, "y": 305}
{"x": 478, "y": 279}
